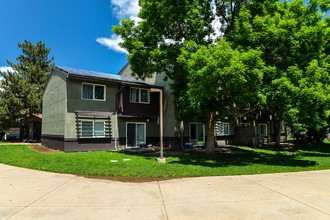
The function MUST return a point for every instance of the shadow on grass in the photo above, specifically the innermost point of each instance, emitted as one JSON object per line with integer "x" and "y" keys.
{"x": 249, "y": 158}
{"x": 234, "y": 156}
{"x": 321, "y": 148}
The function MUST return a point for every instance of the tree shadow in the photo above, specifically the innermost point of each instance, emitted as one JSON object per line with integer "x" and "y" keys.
{"x": 230, "y": 156}
{"x": 242, "y": 158}
{"x": 321, "y": 148}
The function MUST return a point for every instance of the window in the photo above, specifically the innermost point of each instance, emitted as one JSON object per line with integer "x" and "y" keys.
{"x": 93, "y": 92}
{"x": 139, "y": 95}
{"x": 262, "y": 130}
{"x": 221, "y": 129}
{"x": 197, "y": 133}
{"x": 92, "y": 129}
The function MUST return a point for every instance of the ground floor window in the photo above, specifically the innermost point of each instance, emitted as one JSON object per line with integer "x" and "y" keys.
{"x": 197, "y": 133}
{"x": 135, "y": 134}
{"x": 92, "y": 129}
{"x": 221, "y": 128}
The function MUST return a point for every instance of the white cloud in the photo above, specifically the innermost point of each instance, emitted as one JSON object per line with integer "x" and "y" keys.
{"x": 121, "y": 9}
{"x": 112, "y": 43}
{"x": 126, "y": 9}
{"x": 6, "y": 68}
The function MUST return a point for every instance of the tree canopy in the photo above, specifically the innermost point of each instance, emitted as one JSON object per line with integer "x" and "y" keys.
{"x": 294, "y": 38}
{"x": 269, "y": 54}
{"x": 217, "y": 75}
{"x": 22, "y": 88}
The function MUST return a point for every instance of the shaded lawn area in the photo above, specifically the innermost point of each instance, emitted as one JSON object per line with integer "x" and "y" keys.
{"x": 235, "y": 160}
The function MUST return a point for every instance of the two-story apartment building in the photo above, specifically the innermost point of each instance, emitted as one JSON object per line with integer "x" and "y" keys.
{"x": 87, "y": 110}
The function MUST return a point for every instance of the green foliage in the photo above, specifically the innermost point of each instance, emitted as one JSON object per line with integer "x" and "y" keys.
{"x": 282, "y": 45}
{"x": 154, "y": 43}
{"x": 222, "y": 79}
{"x": 228, "y": 11}
{"x": 294, "y": 38}
{"x": 22, "y": 88}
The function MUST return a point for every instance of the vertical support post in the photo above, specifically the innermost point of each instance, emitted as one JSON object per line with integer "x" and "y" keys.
{"x": 161, "y": 159}
{"x": 161, "y": 123}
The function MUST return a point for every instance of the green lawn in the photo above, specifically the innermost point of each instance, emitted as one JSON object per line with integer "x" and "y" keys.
{"x": 240, "y": 160}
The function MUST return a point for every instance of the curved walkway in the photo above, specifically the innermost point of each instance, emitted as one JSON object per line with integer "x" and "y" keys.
{"x": 30, "y": 194}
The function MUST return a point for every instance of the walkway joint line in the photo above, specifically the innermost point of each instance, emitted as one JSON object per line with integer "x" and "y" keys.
{"x": 161, "y": 195}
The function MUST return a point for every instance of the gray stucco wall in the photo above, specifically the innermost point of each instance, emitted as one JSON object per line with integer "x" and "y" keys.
{"x": 54, "y": 105}
{"x": 76, "y": 103}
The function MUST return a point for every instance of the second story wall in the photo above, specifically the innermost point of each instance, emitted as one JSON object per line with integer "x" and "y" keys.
{"x": 138, "y": 101}
{"x": 54, "y": 105}
{"x": 79, "y": 99}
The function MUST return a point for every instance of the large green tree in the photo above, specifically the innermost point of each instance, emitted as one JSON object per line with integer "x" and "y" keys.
{"x": 294, "y": 38}
{"x": 155, "y": 43}
{"x": 22, "y": 88}
{"x": 222, "y": 82}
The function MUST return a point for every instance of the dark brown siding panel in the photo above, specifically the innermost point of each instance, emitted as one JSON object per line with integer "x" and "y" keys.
{"x": 138, "y": 109}
{"x": 75, "y": 146}
{"x": 53, "y": 141}
{"x": 70, "y": 145}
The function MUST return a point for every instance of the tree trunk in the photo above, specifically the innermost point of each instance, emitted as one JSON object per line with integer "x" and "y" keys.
{"x": 278, "y": 133}
{"x": 210, "y": 133}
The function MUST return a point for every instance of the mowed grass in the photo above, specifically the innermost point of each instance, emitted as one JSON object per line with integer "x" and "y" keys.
{"x": 235, "y": 160}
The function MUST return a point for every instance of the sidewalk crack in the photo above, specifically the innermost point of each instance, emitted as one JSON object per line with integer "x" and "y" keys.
{"x": 163, "y": 202}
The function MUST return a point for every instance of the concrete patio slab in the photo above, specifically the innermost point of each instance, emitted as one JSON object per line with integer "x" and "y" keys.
{"x": 295, "y": 184}
{"x": 30, "y": 194}
{"x": 214, "y": 189}
{"x": 21, "y": 187}
{"x": 82, "y": 192}
{"x": 82, "y": 213}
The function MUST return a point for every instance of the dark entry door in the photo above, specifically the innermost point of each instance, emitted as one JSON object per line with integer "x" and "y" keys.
{"x": 36, "y": 130}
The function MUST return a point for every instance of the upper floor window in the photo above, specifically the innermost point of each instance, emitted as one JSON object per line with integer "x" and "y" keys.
{"x": 138, "y": 95}
{"x": 93, "y": 92}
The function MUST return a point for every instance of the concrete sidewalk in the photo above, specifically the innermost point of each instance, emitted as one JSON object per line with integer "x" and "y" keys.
{"x": 30, "y": 194}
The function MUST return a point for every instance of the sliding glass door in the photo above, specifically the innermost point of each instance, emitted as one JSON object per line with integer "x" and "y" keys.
{"x": 135, "y": 134}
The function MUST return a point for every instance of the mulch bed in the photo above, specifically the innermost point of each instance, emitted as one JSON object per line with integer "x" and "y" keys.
{"x": 42, "y": 149}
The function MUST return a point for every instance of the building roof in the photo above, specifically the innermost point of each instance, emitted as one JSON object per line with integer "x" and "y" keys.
{"x": 92, "y": 75}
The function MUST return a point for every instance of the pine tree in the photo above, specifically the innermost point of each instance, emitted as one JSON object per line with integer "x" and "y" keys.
{"x": 22, "y": 88}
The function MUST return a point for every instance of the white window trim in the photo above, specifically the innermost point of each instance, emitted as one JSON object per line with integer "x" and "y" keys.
{"x": 94, "y": 99}
{"x": 145, "y": 132}
{"x": 139, "y": 94}
{"x": 224, "y": 134}
{"x": 91, "y": 120}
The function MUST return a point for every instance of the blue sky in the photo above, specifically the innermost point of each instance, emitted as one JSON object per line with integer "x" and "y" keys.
{"x": 79, "y": 32}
